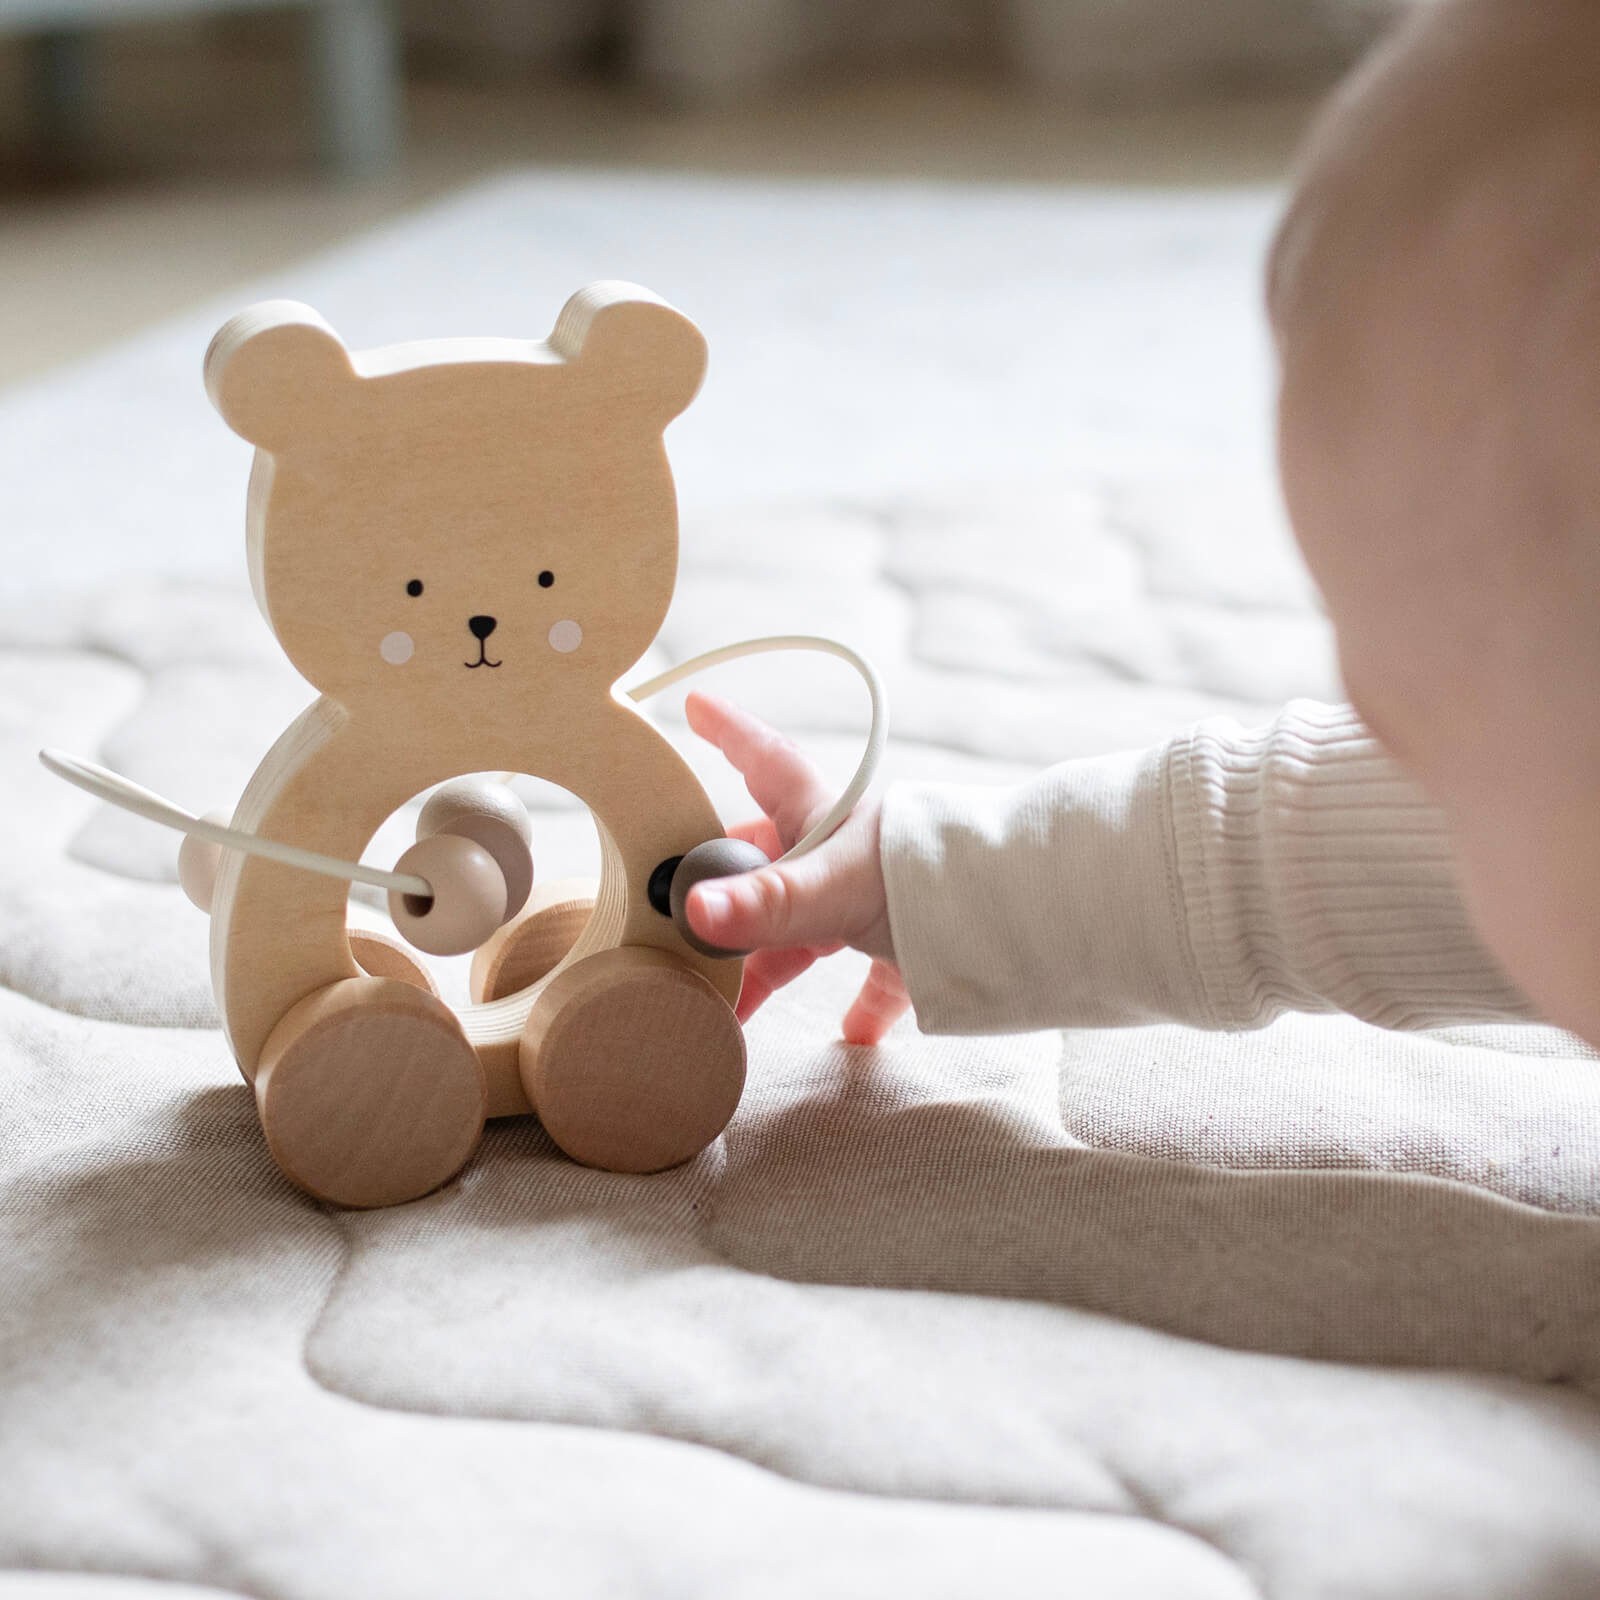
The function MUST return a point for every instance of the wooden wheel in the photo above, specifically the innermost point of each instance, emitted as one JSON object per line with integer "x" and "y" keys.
{"x": 632, "y": 1060}
{"x": 369, "y": 1093}
{"x": 535, "y": 940}
{"x": 379, "y": 956}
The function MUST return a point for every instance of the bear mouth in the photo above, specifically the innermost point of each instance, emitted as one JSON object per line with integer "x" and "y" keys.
{"x": 483, "y": 657}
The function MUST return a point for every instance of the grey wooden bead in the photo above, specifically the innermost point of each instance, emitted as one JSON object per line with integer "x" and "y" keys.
{"x": 473, "y": 797}
{"x": 716, "y": 858}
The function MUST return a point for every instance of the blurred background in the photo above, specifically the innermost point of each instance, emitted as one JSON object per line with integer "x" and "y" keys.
{"x": 155, "y": 152}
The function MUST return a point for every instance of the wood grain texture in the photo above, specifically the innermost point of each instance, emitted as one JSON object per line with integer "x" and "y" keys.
{"x": 632, "y": 1062}
{"x": 462, "y": 545}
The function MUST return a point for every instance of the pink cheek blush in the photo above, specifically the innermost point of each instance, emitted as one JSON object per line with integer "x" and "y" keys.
{"x": 566, "y": 637}
{"x": 396, "y": 648}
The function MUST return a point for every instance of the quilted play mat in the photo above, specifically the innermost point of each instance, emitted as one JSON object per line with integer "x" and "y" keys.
{"x": 1305, "y": 1313}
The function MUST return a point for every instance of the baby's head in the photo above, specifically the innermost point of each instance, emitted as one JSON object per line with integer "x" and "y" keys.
{"x": 1435, "y": 292}
{"x": 465, "y": 531}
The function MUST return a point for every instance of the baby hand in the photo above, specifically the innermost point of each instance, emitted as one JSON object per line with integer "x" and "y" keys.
{"x": 792, "y": 912}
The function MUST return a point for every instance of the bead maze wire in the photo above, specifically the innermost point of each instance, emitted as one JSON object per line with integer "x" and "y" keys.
{"x": 119, "y": 791}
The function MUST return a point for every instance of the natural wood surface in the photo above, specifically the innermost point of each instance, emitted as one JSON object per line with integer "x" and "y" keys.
{"x": 534, "y": 942}
{"x": 633, "y": 1062}
{"x": 382, "y": 957}
{"x": 505, "y": 549}
{"x": 369, "y": 1094}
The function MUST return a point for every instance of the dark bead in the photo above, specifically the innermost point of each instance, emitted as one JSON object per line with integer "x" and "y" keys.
{"x": 716, "y": 858}
{"x": 659, "y": 889}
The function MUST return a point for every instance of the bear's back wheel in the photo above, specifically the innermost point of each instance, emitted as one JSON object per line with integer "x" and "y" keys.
{"x": 535, "y": 941}
{"x": 379, "y": 956}
{"x": 632, "y": 1060}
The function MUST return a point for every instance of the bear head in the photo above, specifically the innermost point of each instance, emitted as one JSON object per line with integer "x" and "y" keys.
{"x": 468, "y": 531}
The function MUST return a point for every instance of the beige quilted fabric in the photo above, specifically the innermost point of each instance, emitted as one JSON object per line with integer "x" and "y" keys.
{"x": 1304, "y": 1313}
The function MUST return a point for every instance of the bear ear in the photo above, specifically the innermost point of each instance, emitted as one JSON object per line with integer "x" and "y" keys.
{"x": 275, "y": 373}
{"x": 647, "y": 356}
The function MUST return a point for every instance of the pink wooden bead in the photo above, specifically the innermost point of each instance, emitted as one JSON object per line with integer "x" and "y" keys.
{"x": 469, "y": 896}
{"x": 198, "y": 861}
{"x": 491, "y": 815}
{"x": 510, "y": 852}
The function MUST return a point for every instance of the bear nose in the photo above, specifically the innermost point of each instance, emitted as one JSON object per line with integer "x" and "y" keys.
{"x": 481, "y": 627}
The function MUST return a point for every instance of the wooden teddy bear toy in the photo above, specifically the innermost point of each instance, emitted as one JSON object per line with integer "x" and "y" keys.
{"x": 462, "y": 545}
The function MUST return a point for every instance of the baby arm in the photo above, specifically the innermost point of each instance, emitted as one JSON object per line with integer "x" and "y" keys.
{"x": 1217, "y": 880}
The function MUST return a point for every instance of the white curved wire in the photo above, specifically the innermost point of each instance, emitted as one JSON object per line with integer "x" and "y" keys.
{"x": 877, "y": 734}
{"x": 119, "y": 791}
{"x": 146, "y": 803}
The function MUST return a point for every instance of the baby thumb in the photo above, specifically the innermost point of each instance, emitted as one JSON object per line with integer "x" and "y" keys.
{"x": 773, "y": 907}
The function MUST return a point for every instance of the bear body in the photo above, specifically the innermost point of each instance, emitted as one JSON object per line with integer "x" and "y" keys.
{"x": 462, "y": 545}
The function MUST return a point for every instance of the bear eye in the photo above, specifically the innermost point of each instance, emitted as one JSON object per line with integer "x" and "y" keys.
{"x": 414, "y": 588}
{"x": 546, "y": 578}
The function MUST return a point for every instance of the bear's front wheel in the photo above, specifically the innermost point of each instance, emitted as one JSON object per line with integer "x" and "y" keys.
{"x": 369, "y": 1093}
{"x": 632, "y": 1060}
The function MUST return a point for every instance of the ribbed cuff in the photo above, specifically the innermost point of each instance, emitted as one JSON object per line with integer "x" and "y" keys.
{"x": 1219, "y": 880}
{"x": 1317, "y": 876}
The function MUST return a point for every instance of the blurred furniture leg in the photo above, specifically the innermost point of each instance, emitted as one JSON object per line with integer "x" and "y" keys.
{"x": 355, "y": 64}
{"x": 703, "y": 51}
{"x": 59, "y": 67}
{"x": 355, "y": 57}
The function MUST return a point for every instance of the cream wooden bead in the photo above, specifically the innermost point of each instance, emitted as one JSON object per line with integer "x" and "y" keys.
{"x": 469, "y": 896}
{"x": 198, "y": 861}
{"x": 493, "y": 817}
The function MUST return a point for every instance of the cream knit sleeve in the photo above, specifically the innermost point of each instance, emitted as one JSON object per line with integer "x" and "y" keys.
{"x": 1219, "y": 880}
